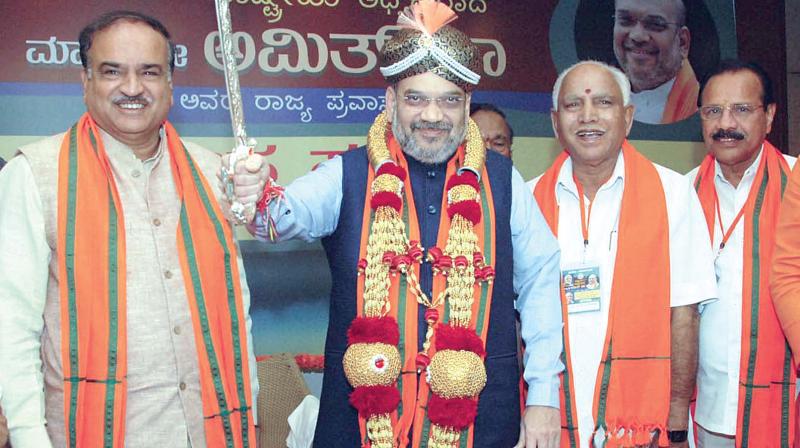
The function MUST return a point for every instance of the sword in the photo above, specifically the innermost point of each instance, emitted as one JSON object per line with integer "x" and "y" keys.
{"x": 244, "y": 146}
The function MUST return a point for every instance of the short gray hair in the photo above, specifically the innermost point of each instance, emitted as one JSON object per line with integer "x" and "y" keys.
{"x": 619, "y": 77}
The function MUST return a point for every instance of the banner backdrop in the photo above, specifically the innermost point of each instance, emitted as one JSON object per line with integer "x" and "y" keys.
{"x": 311, "y": 89}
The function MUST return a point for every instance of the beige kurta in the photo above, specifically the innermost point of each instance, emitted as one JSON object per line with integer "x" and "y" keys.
{"x": 163, "y": 402}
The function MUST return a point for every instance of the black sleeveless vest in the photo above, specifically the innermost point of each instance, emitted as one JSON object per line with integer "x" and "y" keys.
{"x": 497, "y": 424}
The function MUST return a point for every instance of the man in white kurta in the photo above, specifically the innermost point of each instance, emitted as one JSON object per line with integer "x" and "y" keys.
{"x": 691, "y": 275}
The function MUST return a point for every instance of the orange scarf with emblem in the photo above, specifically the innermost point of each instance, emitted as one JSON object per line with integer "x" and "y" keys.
{"x": 632, "y": 388}
{"x": 91, "y": 266}
{"x": 766, "y": 374}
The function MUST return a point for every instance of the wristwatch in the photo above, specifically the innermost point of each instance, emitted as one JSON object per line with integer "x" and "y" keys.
{"x": 677, "y": 436}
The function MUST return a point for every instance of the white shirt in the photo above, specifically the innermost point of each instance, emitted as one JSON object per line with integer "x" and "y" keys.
{"x": 650, "y": 103}
{"x": 691, "y": 264}
{"x": 721, "y": 321}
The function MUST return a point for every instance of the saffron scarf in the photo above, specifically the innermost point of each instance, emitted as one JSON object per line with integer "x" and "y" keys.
{"x": 91, "y": 266}
{"x": 632, "y": 388}
{"x": 410, "y": 419}
{"x": 766, "y": 375}
{"x": 682, "y": 99}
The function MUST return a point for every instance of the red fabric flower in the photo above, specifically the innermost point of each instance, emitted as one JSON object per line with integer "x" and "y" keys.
{"x": 386, "y": 199}
{"x": 456, "y": 412}
{"x": 466, "y": 177}
{"x": 449, "y": 337}
{"x": 371, "y": 400}
{"x": 393, "y": 169}
{"x": 373, "y": 329}
{"x": 470, "y": 210}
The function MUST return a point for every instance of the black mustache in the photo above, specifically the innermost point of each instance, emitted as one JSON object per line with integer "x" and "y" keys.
{"x": 131, "y": 99}
{"x": 722, "y": 133}
{"x": 431, "y": 125}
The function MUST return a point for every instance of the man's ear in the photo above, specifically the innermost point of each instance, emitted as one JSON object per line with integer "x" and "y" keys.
{"x": 685, "y": 41}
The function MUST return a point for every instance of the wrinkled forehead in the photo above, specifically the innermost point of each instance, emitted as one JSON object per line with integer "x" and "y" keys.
{"x": 589, "y": 81}
{"x": 667, "y": 10}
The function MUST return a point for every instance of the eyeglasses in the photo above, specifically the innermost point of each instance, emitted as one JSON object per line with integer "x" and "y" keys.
{"x": 740, "y": 111}
{"x": 653, "y": 24}
{"x": 448, "y": 102}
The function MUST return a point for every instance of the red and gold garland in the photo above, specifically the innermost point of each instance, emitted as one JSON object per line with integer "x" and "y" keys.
{"x": 372, "y": 364}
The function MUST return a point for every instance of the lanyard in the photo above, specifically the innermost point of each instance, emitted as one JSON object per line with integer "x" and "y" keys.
{"x": 584, "y": 218}
{"x": 726, "y": 234}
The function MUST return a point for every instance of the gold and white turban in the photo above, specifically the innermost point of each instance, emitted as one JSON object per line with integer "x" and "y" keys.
{"x": 425, "y": 43}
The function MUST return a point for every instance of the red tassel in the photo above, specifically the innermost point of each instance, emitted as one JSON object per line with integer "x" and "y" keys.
{"x": 460, "y": 262}
{"x": 432, "y": 315}
{"x": 470, "y": 210}
{"x": 466, "y": 177}
{"x": 386, "y": 199}
{"x": 371, "y": 400}
{"x": 393, "y": 169}
{"x": 422, "y": 361}
{"x": 373, "y": 329}
{"x": 434, "y": 253}
{"x": 455, "y": 412}
{"x": 414, "y": 250}
{"x": 444, "y": 263}
{"x": 449, "y": 337}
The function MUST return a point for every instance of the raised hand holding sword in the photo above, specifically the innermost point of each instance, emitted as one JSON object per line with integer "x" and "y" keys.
{"x": 244, "y": 174}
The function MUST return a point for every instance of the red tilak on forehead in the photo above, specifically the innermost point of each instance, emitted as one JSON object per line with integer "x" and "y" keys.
{"x": 588, "y": 91}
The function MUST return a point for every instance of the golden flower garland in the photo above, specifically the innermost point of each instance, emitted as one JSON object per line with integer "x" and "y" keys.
{"x": 388, "y": 235}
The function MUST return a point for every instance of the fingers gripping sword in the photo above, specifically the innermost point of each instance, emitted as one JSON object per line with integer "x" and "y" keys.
{"x": 242, "y": 213}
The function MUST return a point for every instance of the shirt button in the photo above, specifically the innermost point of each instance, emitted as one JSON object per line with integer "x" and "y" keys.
{"x": 176, "y": 330}
{"x": 182, "y": 386}
{"x": 431, "y": 173}
{"x": 156, "y": 222}
{"x": 431, "y": 210}
{"x": 167, "y": 274}
{"x": 136, "y": 173}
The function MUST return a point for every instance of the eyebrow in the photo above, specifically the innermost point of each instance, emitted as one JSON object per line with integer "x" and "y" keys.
{"x": 592, "y": 97}
{"x": 113, "y": 64}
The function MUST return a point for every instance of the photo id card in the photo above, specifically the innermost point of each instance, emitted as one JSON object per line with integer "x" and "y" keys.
{"x": 582, "y": 288}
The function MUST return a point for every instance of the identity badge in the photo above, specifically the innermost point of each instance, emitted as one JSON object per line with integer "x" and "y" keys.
{"x": 582, "y": 288}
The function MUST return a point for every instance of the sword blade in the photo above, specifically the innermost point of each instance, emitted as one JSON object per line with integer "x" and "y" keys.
{"x": 231, "y": 78}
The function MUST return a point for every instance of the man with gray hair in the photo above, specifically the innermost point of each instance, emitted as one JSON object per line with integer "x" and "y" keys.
{"x": 634, "y": 243}
{"x": 651, "y": 43}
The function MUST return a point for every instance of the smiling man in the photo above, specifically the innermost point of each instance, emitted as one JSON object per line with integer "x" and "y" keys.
{"x": 651, "y": 43}
{"x": 422, "y": 351}
{"x": 631, "y": 338}
{"x": 745, "y": 381}
{"x": 122, "y": 323}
